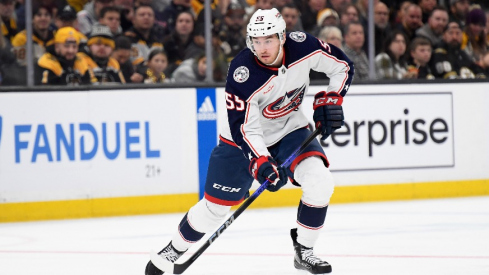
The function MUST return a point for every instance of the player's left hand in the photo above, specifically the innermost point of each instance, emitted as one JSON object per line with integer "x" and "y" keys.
{"x": 328, "y": 112}
{"x": 266, "y": 168}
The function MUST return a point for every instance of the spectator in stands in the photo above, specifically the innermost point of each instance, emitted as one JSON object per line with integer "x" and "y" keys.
{"x": 169, "y": 14}
{"x": 382, "y": 26}
{"x": 433, "y": 29}
{"x": 279, "y": 4}
{"x": 90, "y": 14}
{"x": 8, "y": 22}
{"x": 144, "y": 34}
{"x": 179, "y": 45}
{"x": 291, "y": 14}
{"x": 42, "y": 36}
{"x": 482, "y": 68}
{"x": 458, "y": 11}
{"x": 100, "y": 46}
{"x": 153, "y": 69}
{"x": 354, "y": 39}
{"x": 191, "y": 70}
{"x": 338, "y": 5}
{"x": 349, "y": 14}
{"x": 61, "y": 65}
{"x": 420, "y": 50}
{"x": 231, "y": 35}
{"x": 77, "y": 4}
{"x": 362, "y": 8}
{"x": 326, "y": 17}
{"x": 66, "y": 17}
{"x": 111, "y": 17}
{"x": 401, "y": 13}
{"x": 449, "y": 61}
{"x": 411, "y": 21}
{"x": 391, "y": 63}
{"x": 122, "y": 53}
{"x": 7, "y": 59}
{"x": 310, "y": 12}
{"x": 331, "y": 35}
{"x": 127, "y": 13}
{"x": 426, "y": 7}
{"x": 474, "y": 37}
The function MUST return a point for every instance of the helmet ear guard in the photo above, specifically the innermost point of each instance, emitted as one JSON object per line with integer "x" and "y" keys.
{"x": 265, "y": 23}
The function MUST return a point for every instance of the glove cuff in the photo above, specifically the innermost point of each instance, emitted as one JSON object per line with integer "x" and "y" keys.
{"x": 323, "y": 98}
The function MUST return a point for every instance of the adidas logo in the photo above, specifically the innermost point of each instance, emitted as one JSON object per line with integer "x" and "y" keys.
{"x": 206, "y": 110}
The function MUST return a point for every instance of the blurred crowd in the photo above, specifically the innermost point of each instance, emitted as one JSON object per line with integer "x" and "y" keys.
{"x": 77, "y": 42}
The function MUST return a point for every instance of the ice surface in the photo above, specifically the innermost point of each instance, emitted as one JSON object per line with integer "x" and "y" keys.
{"x": 443, "y": 236}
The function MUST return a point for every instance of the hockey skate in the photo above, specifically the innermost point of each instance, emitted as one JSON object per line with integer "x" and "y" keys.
{"x": 304, "y": 258}
{"x": 169, "y": 253}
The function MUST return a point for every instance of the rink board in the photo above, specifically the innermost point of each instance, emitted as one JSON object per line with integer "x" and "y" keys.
{"x": 74, "y": 154}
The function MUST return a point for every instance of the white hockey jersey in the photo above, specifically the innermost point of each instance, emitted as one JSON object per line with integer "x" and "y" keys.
{"x": 264, "y": 103}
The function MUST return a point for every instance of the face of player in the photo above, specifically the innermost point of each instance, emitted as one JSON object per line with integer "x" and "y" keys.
{"x": 184, "y": 24}
{"x": 398, "y": 46}
{"x": 121, "y": 55}
{"x": 422, "y": 54}
{"x": 100, "y": 50}
{"x": 111, "y": 20}
{"x": 355, "y": 37}
{"x": 438, "y": 21}
{"x": 41, "y": 20}
{"x": 267, "y": 49}
{"x": 158, "y": 63}
{"x": 144, "y": 18}
{"x": 67, "y": 50}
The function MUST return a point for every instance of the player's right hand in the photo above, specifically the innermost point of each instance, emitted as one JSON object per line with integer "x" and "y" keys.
{"x": 265, "y": 168}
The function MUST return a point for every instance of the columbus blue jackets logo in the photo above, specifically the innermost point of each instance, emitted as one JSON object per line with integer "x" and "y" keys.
{"x": 285, "y": 104}
{"x": 241, "y": 74}
{"x": 297, "y": 36}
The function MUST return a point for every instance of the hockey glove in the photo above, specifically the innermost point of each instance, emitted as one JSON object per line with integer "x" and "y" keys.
{"x": 266, "y": 168}
{"x": 328, "y": 113}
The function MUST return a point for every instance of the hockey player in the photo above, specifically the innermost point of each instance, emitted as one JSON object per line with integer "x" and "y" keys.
{"x": 265, "y": 86}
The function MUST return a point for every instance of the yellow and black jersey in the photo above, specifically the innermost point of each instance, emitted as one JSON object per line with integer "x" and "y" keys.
{"x": 51, "y": 72}
{"x": 19, "y": 45}
{"x": 110, "y": 73}
{"x": 140, "y": 46}
{"x": 9, "y": 29}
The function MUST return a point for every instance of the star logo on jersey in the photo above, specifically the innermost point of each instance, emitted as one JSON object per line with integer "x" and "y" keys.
{"x": 285, "y": 104}
{"x": 297, "y": 36}
{"x": 241, "y": 74}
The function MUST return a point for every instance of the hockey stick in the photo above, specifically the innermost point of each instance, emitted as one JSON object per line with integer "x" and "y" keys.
{"x": 175, "y": 268}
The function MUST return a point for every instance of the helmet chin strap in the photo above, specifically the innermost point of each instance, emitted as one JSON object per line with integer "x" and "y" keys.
{"x": 278, "y": 55}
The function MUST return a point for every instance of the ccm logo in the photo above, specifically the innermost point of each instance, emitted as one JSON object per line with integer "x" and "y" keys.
{"x": 226, "y": 188}
{"x": 329, "y": 101}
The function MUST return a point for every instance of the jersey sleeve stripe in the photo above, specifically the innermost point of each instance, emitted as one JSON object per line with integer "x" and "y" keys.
{"x": 346, "y": 72}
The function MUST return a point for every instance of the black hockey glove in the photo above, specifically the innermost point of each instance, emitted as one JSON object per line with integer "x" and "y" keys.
{"x": 266, "y": 168}
{"x": 328, "y": 113}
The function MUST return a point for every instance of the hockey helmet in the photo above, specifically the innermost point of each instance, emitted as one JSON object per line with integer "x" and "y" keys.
{"x": 265, "y": 23}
